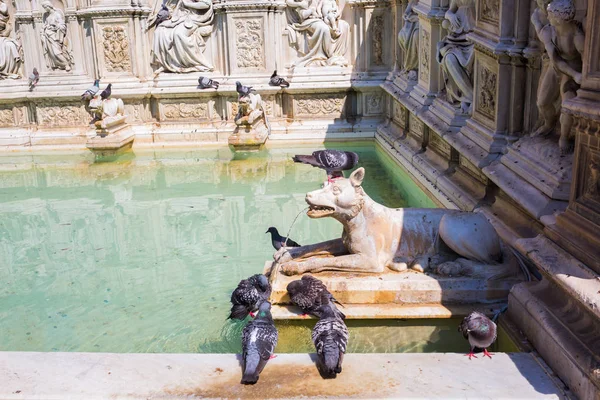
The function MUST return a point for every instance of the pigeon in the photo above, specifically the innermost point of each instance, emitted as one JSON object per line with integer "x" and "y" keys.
{"x": 480, "y": 331}
{"x": 162, "y": 15}
{"x": 279, "y": 241}
{"x": 276, "y": 80}
{"x": 91, "y": 91}
{"x": 34, "y": 78}
{"x": 206, "y": 83}
{"x": 106, "y": 92}
{"x": 307, "y": 292}
{"x": 243, "y": 90}
{"x": 330, "y": 336}
{"x": 259, "y": 339}
{"x": 246, "y": 298}
{"x": 332, "y": 161}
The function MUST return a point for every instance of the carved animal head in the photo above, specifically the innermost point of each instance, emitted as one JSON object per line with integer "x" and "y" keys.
{"x": 342, "y": 199}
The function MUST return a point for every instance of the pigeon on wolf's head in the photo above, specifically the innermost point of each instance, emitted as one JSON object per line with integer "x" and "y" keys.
{"x": 307, "y": 292}
{"x": 34, "y": 78}
{"x": 207, "y": 83}
{"x": 91, "y": 91}
{"x": 259, "y": 340}
{"x": 276, "y": 80}
{"x": 248, "y": 296}
{"x": 330, "y": 336}
{"x": 480, "y": 331}
{"x": 332, "y": 161}
{"x": 243, "y": 90}
{"x": 279, "y": 241}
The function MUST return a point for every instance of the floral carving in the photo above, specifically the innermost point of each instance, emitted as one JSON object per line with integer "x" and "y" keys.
{"x": 249, "y": 43}
{"x": 490, "y": 10}
{"x": 399, "y": 114}
{"x": 62, "y": 115}
{"x": 179, "y": 111}
{"x": 424, "y": 56}
{"x": 116, "y": 49}
{"x": 133, "y": 112}
{"x": 486, "y": 95}
{"x": 416, "y": 127}
{"x": 377, "y": 48}
{"x": 6, "y": 117}
{"x": 374, "y": 103}
{"x": 320, "y": 106}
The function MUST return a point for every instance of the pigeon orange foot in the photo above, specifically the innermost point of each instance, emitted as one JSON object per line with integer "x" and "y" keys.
{"x": 486, "y": 353}
{"x": 272, "y": 356}
{"x": 471, "y": 354}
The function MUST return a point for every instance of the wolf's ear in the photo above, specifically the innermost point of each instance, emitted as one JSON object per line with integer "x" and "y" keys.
{"x": 357, "y": 177}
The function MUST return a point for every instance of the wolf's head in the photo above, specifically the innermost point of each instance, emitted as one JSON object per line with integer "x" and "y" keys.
{"x": 342, "y": 199}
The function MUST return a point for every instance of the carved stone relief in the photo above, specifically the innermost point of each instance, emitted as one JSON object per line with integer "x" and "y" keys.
{"x": 185, "y": 111}
{"x": 61, "y": 115}
{"x": 134, "y": 112}
{"x": 472, "y": 169}
{"x": 116, "y": 49}
{"x": 439, "y": 145}
{"x": 399, "y": 114}
{"x": 374, "y": 103}
{"x": 487, "y": 91}
{"x": 424, "y": 44}
{"x": 408, "y": 39}
{"x": 7, "y": 117}
{"x": 490, "y": 11}
{"x": 377, "y": 32}
{"x": 332, "y": 105}
{"x": 11, "y": 56}
{"x": 416, "y": 127}
{"x": 55, "y": 42}
{"x": 592, "y": 187}
{"x": 267, "y": 102}
{"x": 249, "y": 43}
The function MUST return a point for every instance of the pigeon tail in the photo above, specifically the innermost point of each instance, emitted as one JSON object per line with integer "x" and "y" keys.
{"x": 238, "y": 311}
{"x": 328, "y": 364}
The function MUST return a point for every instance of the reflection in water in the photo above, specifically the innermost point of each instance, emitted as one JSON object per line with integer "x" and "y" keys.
{"x": 141, "y": 254}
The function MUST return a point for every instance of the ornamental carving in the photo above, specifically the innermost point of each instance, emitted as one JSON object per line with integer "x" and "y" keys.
{"x": 133, "y": 111}
{"x": 472, "y": 170}
{"x": 179, "y": 111}
{"x": 486, "y": 95}
{"x": 399, "y": 114}
{"x": 249, "y": 43}
{"x": 592, "y": 187}
{"x": 374, "y": 103}
{"x": 267, "y": 102}
{"x": 416, "y": 127}
{"x": 424, "y": 55}
{"x": 116, "y": 49}
{"x": 377, "y": 49}
{"x": 62, "y": 115}
{"x": 7, "y": 117}
{"x": 320, "y": 106}
{"x": 490, "y": 11}
{"x": 439, "y": 144}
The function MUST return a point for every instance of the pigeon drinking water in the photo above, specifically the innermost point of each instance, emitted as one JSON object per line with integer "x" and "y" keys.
{"x": 248, "y": 296}
{"x": 276, "y": 80}
{"x": 480, "y": 331}
{"x": 106, "y": 92}
{"x": 91, "y": 91}
{"x": 332, "y": 161}
{"x": 279, "y": 241}
{"x": 307, "y": 293}
{"x": 162, "y": 16}
{"x": 259, "y": 339}
{"x": 207, "y": 83}
{"x": 330, "y": 336}
{"x": 34, "y": 78}
{"x": 243, "y": 90}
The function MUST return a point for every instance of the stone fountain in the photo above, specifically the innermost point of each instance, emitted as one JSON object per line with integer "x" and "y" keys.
{"x": 252, "y": 125}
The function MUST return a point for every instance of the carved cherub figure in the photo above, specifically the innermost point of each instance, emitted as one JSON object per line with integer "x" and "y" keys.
{"x": 330, "y": 11}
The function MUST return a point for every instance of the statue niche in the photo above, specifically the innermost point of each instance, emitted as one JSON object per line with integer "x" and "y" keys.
{"x": 56, "y": 44}
{"x": 456, "y": 54}
{"x": 408, "y": 39}
{"x": 179, "y": 41}
{"x": 10, "y": 50}
{"x": 317, "y": 32}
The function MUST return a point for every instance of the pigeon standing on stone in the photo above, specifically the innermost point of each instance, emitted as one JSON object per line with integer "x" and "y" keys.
{"x": 307, "y": 293}
{"x": 259, "y": 339}
{"x": 330, "y": 336}
{"x": 242, "y": 90}
{"x": 34, "y": 78}
{"x": 279, "y": 241}
{"x": 248, "y": 296}
{"x": 480, "y": 331}
{"x": 276, "y": 80}
{"x": 207, "y": 83}
{"x": 332, "y": 161}
{"x": 162, "y": 15}
{"x": 106, "y": 92}
{"x": 91, "y": 91}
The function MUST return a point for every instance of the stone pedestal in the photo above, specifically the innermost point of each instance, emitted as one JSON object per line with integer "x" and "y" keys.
{"x": 113, "y": 135}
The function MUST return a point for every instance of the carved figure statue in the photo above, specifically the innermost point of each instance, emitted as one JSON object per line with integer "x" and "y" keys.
{"x": 55, "y": 42}
{"x": 317, "y": 32}
{"x": 376, "y": 237}
{"x": 564, "y": 40}
{"x": 456, "y": 54}
{"x": 250, "y": 110}
{"x": 106, "y": 110}
{"x": 179, "y": 42}
{"x": 408, "y": 39}
{"x": 10, "y": 50}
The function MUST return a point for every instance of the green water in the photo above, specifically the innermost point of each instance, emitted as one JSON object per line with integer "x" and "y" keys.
{"x": 140, "y": 253}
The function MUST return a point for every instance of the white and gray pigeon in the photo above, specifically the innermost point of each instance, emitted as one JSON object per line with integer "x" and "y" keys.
{"x": 34, "y": 78}
{"x": 243, "y": 90}
{"x": 259, "y": 339}
{"x": 330, "y": 336}
{"x": 248, "y": 296}
{"x": 480, "y": 331}
{"x": 307, "y": 293}
{"x": 332, "y": 161}
{"x": 91, "y": 91}
{"x": 279, "y": 241}
{"x": 276, "y": 80}
{"x": 207, "y": 83}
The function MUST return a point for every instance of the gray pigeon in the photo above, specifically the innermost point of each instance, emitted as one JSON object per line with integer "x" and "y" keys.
{"x": 332, "y": 161}
{"x": 330, "y": 336}
{"x": 34, "y": 78}
{"x": 243, "y": 90}
{"x": 279, "y": 241}
{"x": 162, "y": 15}
{"x": 106, "y": 92}
{"x": 207, "y": 83}
{"x": 248, "y": 296}
{"x": 259, "y": 340}
{"x": 307, "y": 293}
{"x": 276, "y": 80}
{"x": 91, "y": 91}
{"x": 480, "y": 331}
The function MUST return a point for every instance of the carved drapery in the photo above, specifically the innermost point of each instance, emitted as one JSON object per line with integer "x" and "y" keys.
{"x": 408, "y": 39}
{"x": 10, "y": 50}
{"x": 55, "y": 41}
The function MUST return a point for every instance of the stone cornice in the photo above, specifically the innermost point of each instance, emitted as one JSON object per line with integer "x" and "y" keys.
{"x": 112, "y": 12}
{"x": 435, "y": 15}
{"x": 249, "y": 5}
{"x": 369, "y": 3}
